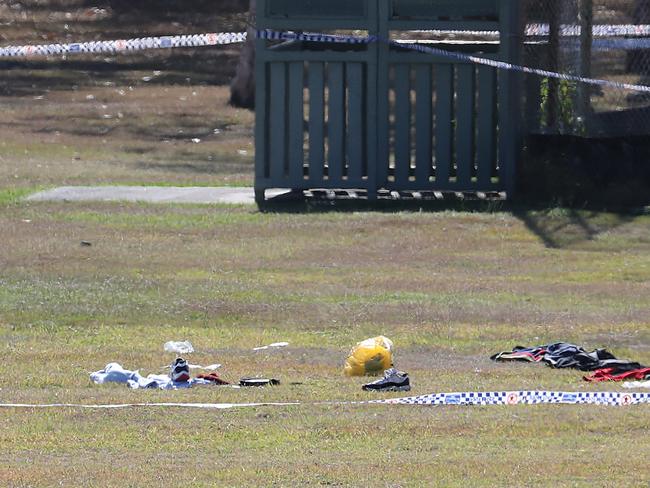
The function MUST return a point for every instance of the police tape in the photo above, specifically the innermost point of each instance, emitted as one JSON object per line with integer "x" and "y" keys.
{"x": 458, "y": 56}
{"x": 112, "y": 406}
{"x": 524, "y": 397}
{"x": 616, "y": 43}
{"x": 502, "y": 65}
{"x": 564, "y": 30}
{"x": 224, "y": 38}
{"x": 505, "y": 398}
{"x": 604, "y": 30}
{"x": 124, "y": 45}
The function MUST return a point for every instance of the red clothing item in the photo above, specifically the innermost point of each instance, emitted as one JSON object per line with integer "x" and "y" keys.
{"x": 214, "y": 377}
{"x": 608, "y": 374}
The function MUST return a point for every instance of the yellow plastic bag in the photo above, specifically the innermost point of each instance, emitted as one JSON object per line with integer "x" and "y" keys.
{"x": 372, "y": 356}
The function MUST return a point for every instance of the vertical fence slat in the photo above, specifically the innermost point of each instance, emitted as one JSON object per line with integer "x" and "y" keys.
{"x": 384, "y": 119}
{"x": 486, "y": 124}
{"x": 316, "y": 82}
{"x": 444, "y": 117}
{"x": 296, "y": 123}
{"x": 356, "y": 132}
{"x": 423, "y": 124}
{"x": 402, "y": 122}
{"x": 261, "y": 117}
{"x": 381, "y": 143}
{"x": 509, "y": 96}
{"x": 278, "y": 129}
{"x": 465, "y": 125}
{"x": 372, "y": 104}
{"x": 336, "y": 121}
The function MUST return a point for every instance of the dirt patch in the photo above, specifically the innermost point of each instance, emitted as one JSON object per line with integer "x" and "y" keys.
{"x": 159, "y": 116}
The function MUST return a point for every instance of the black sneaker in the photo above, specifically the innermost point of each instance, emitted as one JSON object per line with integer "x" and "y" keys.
{"x": 393, "y": 380}
{"x": 180, "y": 370}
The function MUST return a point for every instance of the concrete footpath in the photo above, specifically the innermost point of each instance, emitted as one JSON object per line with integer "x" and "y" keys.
{"x": 152, "y": 194}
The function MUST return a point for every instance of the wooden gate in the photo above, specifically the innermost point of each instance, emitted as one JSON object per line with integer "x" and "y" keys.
{"x": 379, "y": 116}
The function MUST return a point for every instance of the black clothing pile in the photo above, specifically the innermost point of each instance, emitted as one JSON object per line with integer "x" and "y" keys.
{"x": 564, "y": 355}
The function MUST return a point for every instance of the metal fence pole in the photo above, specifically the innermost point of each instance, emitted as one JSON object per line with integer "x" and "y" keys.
{"x": 586, "y": 39}
{"x": 553, "y": 97}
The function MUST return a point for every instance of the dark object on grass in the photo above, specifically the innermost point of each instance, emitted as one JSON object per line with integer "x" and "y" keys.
{"x": 180, "y": 370}
{"x": 393, "y": 380}
{"x": 565, "y": 355}
{"x": 258, "y": 382}
{"x": 86, "y": 243}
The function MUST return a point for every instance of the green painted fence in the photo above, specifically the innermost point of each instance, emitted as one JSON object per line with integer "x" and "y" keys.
{"x": 380, "y": 117}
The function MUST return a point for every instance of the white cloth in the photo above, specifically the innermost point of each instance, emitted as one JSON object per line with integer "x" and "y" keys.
{"x": 637, "y": 384}
{"x": 209, "y": 367}
{"x": 179, "y": 347}
{"x": 115, "y": 373}
{"x": 271, "y": 346}
{"x": 164, "y": 382}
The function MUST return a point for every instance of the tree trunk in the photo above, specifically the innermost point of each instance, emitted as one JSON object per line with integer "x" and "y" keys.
{"x": 242, "y": 88}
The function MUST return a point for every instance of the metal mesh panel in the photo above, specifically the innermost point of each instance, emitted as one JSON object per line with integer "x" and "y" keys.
{"x": 605, "y": 39}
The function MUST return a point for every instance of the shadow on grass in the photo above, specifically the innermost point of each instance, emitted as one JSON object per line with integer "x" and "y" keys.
{"x": 295, "y": 203}
{"x": 570, "y": 190}
{"x": 556, "y": 228}
{"x": 210, "y": 67}
{"x": 559, "y": 228}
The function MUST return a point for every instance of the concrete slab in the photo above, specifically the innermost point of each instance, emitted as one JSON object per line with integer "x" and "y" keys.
{"x": 152, "y": 194}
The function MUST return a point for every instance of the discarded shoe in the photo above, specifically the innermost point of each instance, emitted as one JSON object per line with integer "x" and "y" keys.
{"x": 393, "y": 380}
{"x": 258, "y": 382}
{"x": 180, "y": 370}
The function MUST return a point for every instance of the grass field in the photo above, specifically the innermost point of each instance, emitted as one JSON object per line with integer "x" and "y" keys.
{"x": 449, "y": 287}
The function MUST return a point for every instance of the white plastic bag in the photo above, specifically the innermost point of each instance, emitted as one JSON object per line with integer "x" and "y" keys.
{"x": 179, "y": 347}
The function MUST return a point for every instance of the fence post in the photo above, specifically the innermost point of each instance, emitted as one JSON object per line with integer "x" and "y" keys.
{"x": 383, "y": 131}
{"x": 373, "y": 75}
{"x": 261, "y": 112}
{"x": 510, "y": 93}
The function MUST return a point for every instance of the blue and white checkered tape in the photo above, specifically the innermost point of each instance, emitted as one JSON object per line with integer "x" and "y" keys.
{"x": 214, "y": 39}
{"x": 458, "y": 56}
{"x": 523, "y": 397}
{"x": 124, "y": 45}
{"x": 508, "y": 398}
{"x": 565, "y": 30}
{"x": 602, "y": 30}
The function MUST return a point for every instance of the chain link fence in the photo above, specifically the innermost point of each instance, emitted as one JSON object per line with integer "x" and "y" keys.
{"x": 605, "y": 39}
